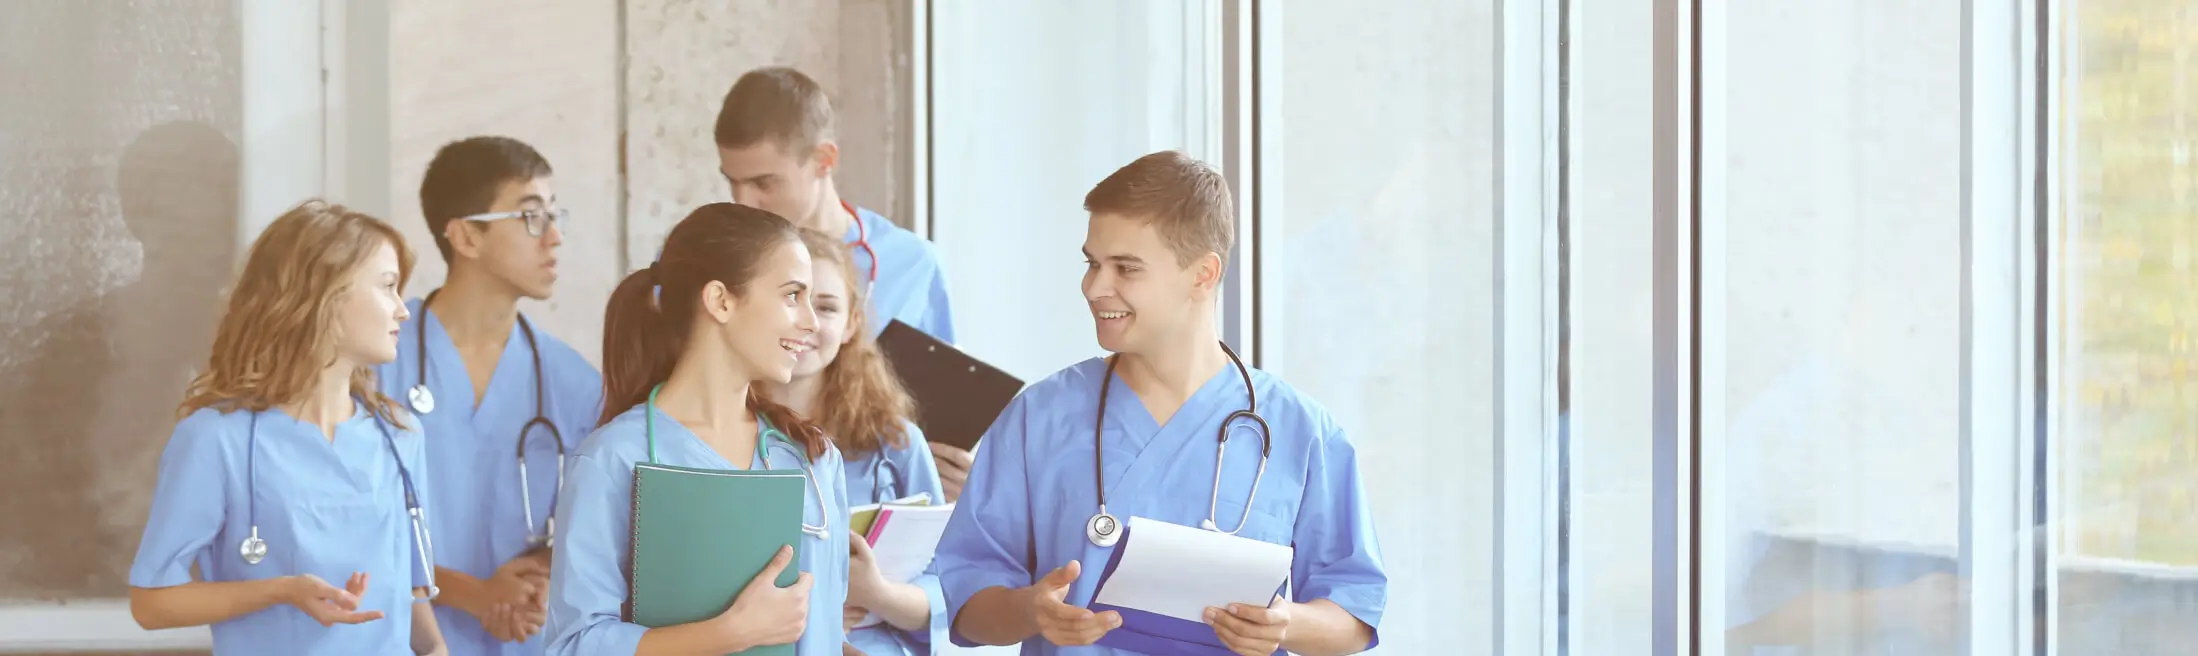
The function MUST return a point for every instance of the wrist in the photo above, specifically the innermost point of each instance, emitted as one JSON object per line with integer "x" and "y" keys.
{"x": 732, "y": 635}
{"x": 285, "y": 590}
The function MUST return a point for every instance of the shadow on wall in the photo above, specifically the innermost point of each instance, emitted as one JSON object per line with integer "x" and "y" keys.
{"x": 89, "y": 407}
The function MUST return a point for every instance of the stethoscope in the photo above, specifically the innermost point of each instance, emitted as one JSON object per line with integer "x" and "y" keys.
{"x": 763, "y": 444}
{"x": 1103, "y": 530}
{"x": 878, "y": 486}
{"x": 254, "y": 549}
{"x": 423, "y": 402}
{"x": 862, "y": 240}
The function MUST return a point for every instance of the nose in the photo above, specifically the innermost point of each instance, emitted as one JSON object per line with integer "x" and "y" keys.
{"x": 553, "y": 235}
{"x": 805, "y": 318}
{"x": 404, "y": 314}
{"x": 1097, "y": 286}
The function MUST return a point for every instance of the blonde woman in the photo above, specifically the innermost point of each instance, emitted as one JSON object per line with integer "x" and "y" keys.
{"x": 286, "y": 514}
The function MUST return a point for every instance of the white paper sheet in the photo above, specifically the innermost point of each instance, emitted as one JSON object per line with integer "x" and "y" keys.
{"x": 904, "y": 548}
{"x": 1178, "y": 571}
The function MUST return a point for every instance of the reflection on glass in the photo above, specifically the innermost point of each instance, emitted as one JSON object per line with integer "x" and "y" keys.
{"x": 1380, "y": 257}
{"x": 2127, "y": 439}
{"x": 1841, "y": 381}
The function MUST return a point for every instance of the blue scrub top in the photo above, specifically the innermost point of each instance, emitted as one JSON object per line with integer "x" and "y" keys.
{"x": 881, "y": 476}
{"x": 588, "y": 569}
{"x": 473, "y": 452}
{"x": 324, "y": 507}
{"x": 911, "y": 286}
{"x": 1031, "y": 490}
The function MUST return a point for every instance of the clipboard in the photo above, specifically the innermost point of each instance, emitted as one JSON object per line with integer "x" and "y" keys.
{"x": 957, "y": 396}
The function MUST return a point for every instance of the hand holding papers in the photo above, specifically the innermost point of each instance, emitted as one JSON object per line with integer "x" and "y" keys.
{"x": 897, "y": 541}
{"x": 1164, "y": 576}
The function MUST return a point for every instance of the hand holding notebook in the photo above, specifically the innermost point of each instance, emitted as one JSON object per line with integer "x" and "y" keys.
{"x": 1163, "y": 577}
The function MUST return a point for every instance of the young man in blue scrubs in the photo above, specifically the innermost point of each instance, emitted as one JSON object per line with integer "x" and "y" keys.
{"x": 775, "y": 148}
{"x": 489, "y": 374}
{"x": 1017, "y": 564}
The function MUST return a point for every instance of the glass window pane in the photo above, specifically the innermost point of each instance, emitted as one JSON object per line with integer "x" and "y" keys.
{"x": 2128, "y": 375}
{"x": 1841, "y": 380}
{"x": 1609, "y": 530}
{"x": 1380, "y": 276}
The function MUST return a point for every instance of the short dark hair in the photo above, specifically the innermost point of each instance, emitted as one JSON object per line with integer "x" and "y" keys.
{"x": 776, "y": 104}
{"x": 1184, "y": 199}
{"x": 465, "y": 176}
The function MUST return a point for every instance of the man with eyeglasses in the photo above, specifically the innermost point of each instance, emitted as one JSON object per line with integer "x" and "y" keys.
{"x": 499, "y": 398}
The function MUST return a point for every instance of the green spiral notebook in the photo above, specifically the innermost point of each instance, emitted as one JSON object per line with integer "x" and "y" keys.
{"x": 699, "y": 536}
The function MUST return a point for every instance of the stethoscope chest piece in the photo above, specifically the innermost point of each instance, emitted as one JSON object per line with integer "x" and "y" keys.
{"x": 253, "y": 549}
{"x": 423, "y": 400}
{"x": 1103, "y": 530}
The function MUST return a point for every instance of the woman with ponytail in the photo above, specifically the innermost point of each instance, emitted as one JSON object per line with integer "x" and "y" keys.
{"x": 849, "y": 388}
{"x": 725, "y": 304}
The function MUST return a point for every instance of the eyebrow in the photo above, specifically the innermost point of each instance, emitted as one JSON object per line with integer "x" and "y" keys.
{"x": 536, "y": 199}
{"x": 1128, "y": 259}
{"x": 796, "y": 284}
{"x": 754, "y": 179}
{"x": 828, "y": 295}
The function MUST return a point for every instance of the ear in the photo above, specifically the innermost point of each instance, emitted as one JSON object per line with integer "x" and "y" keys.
{"x": 826, "y": 158}
{"x": 466, "y": 240}
{"x": 717, "y": 302}
{"x": 855, "y": 326}
{"x": 1208, "y": 269}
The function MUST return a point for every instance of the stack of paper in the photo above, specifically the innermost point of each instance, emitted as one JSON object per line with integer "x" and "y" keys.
{"x": 861, "y": 517}
{"x": 1163, "y": 577}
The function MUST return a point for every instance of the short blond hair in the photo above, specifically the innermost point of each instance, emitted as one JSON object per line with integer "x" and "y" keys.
{"x": 1186, "y": 200}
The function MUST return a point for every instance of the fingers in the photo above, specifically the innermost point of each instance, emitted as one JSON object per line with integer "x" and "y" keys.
{"x": 952, "y": 487}
{"x": 1062, "y": 577}
{"x": 344, "y": 600}
{"x": 528, "y": 567}
{"x": 952, "y": 457}
{"x": 336, "y": 617}
{"x": 1229, "y": 630}
{"x": 1085, "y": 631}
{"x": 802, "y": 582}
{"x": 1221, "y": 619}
{"x": 779, "y": 561}
{"x": 1253, "y": 614}
{"x": 858, "y": 546}
{"x": 498, "y": 623}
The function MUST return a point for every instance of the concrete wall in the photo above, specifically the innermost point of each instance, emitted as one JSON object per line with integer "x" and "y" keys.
{"x": 621, "y": 99}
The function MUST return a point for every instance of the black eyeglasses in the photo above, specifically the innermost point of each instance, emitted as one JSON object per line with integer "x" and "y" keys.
{"x": 538, "y": 220}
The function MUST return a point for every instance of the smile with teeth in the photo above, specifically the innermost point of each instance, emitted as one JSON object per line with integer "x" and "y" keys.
{"x": 1107, "y": 315}
{"x": 795, "y": 346}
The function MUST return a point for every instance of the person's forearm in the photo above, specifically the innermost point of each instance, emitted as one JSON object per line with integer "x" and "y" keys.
{"x": 427, "y": 636}
{"x": 705, "y": 637}
{"x": 1320, "y": 627}
{"x": 997, "y": 616}
{"x": 905, "y": 606}
{"x": 199, "y": 603}
{"x": 459, "y": 590}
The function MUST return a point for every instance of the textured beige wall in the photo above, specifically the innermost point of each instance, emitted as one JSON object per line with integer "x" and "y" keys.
{"x": 549, "y": 74}
{"x": 683, "y": 54}
{"x": 542, "y": 72}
